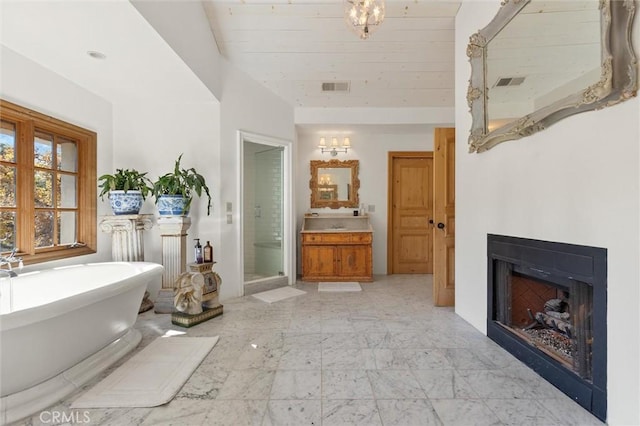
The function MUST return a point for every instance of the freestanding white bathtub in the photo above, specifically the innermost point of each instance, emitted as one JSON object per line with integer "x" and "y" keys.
{"x": 66, "y": 326}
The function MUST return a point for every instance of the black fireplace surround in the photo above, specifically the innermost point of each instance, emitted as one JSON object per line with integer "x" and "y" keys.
{"x": 560, "y": 265}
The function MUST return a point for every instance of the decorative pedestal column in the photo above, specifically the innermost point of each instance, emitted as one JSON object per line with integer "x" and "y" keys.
{"x": 127, "y": 244}
{"x": 173, "y": 230}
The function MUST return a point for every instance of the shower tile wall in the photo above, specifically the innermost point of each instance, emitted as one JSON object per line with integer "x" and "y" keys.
{"x": 268, "y": 212}
{"x": 248, "y": 210}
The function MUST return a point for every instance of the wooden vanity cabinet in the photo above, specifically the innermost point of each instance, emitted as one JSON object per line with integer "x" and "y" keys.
{"x": 339, "y": 256}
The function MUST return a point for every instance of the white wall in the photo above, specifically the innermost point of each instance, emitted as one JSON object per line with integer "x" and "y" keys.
{"x": 576, "y": 182}
{"x": 28, "y": 84}
{"x": 246, "y": 106}
{"x": 371, "y": 149}
{"x": 193, "y": 42}
{"x": 149, "y": 136}
{"x": 146, "y": 135}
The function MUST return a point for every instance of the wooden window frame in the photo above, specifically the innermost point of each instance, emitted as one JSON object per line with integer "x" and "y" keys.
{"x": 26, "y": 122}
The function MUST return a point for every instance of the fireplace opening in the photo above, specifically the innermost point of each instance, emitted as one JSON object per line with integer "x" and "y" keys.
{"x": 547, "y": 305}
{"x": 553, "y": 318}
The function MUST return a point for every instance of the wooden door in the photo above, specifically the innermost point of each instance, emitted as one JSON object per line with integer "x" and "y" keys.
{"x": 411, "y": 208}
{"x": 318, "y": 261}
{"x": 444, "y": 217}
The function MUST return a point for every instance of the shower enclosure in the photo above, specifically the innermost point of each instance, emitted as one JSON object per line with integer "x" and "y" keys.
{"x": 263, "y": 216}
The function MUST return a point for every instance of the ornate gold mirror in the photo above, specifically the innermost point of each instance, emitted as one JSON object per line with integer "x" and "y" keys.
{"x": 538, "y": 62}
{"x": 334, "y": 183}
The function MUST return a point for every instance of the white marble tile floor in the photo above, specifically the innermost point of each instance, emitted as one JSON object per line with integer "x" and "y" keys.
{"x": 381, "y": 356}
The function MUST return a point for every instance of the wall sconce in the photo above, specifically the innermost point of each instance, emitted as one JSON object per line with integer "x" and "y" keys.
{"x": 334, "y": 148}
{"x": 325, "y": 179}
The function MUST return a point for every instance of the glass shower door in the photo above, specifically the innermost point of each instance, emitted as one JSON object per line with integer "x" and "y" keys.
{"x": 263, "y": 212}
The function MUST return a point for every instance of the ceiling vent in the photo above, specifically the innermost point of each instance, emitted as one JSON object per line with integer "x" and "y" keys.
{"x": 335, "y": 86}
{"x": 509, "y": 81}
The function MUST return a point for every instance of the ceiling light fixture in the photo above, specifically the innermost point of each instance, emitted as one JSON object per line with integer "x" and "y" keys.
{"x": 364, "y": 16}
{"x": 334, "y": 148}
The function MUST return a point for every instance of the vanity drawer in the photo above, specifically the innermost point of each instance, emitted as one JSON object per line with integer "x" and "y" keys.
{"x": 361, "y": 237}
{"x": 326, "y": 238}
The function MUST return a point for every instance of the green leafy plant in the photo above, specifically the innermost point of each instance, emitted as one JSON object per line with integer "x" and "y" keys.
{"x": 185, "y": 182}
{"x": 125, "y": 180}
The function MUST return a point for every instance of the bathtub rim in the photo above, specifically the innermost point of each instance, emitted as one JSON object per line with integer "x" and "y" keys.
{"x": 49, "y": 310}
{"x": 28, "y": 402}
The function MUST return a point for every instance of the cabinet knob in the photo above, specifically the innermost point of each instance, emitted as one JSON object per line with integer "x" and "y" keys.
{"x": 440, "y": 225}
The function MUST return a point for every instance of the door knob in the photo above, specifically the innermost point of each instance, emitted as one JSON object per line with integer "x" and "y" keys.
{"x": 440, "y": 225}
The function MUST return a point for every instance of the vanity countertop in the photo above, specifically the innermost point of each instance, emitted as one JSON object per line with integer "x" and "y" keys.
{"x": 336, "y": 223}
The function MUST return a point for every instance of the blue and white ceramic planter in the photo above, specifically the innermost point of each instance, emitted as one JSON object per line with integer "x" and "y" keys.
{"x": 172, "y": 205}
{"x": 129, "y": 202}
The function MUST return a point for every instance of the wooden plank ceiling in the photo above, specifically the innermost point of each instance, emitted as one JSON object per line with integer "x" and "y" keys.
{"x": 292, "y": 47}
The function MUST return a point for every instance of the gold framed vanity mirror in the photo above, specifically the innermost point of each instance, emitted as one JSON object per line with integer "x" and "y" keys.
{"x": 538, "y": 62}
{"x": 334, "y": 183}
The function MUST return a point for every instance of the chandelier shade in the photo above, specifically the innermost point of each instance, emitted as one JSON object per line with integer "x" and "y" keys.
{"x": 364, "y": 16}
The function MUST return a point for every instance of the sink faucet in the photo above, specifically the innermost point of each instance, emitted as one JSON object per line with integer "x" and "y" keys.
{"x": 8, "y": 260}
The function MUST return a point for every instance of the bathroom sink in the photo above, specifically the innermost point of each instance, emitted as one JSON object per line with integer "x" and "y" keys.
{"x": 336, "y": 223}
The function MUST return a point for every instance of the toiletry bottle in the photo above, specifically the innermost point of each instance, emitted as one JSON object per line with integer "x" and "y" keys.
{"x": 198, "y": 251}
{"x": 208, "y": 253}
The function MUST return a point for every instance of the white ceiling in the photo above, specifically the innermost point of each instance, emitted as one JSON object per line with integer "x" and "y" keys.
{"x": 293, "y": 46}
{"x": 139, "y": 64}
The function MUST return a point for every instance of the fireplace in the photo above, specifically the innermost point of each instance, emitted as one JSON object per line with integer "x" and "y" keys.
{"x": 547, "y": 305}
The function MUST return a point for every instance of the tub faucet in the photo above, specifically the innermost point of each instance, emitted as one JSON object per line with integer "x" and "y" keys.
{"x": 8, "y": 260}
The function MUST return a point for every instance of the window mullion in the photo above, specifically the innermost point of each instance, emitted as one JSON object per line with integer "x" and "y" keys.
{"x": 26, "y": 230}
{"x": 55, "y": 188}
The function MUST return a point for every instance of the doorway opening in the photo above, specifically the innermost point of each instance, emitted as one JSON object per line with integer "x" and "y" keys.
{"x": 266, "y": 219}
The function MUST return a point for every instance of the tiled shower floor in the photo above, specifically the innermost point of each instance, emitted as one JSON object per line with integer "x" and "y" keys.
{"x": 382, "y": 356}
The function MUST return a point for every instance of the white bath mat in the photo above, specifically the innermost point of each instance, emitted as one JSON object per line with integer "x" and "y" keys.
{"x": 278, "y": 294}
{"x": 341, "y": 286}
{"x": 151, "y": 377}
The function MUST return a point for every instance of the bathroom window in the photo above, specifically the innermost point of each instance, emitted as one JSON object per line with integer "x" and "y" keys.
{"x": 47, "y": 186}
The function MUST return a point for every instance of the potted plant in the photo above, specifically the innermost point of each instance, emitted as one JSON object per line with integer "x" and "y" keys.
{"x": 174, "y": 191}
{"x": 127, "y": 189}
